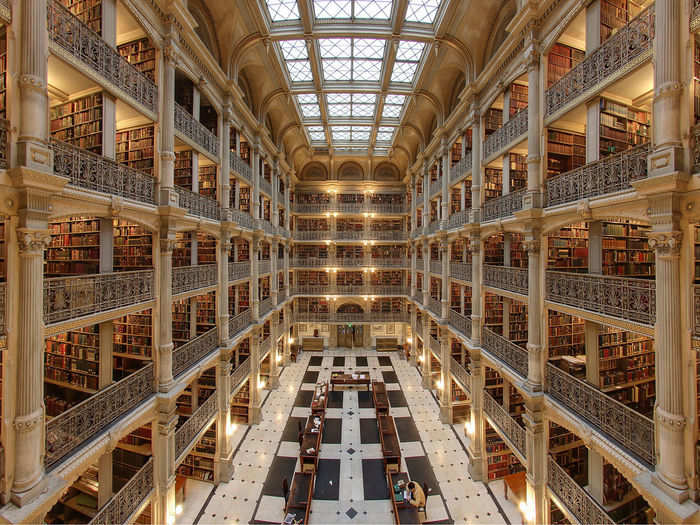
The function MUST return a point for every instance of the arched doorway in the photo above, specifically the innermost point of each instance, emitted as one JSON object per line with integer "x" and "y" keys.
{"x": 350, "y": 334}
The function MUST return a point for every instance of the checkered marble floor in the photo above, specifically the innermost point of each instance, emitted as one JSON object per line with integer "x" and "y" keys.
{"x": 350, "y": 485}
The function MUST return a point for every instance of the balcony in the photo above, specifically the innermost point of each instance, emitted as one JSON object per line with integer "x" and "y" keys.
{"x": 461, "y": 375}
{"x": 458, "y": 219}
{"x": 351, "y": 262}
{"x": 618, "y": 297}
{"x": 615, "y": 58}
{"x": 189, "y": 278}
{"x": 435, "y": 347}
{"x": 436, "y": 267}
{"x": 122, "y": 505}
{"x": 198, "y": 205}
{"x": 265, "y": 347}
{"x": 77, "y": 44}
{"x": 265, "y": 306}
{"x": 240, "y": 374}
{"x": 388, "y": 263}
{"x": 344, "y": 317}
{"x": 696, "y": 304}
{"x": 435, "y": 187}
{"x": 238, "y": 270}
{"x": 317, "y": 235}
{"x": 350, "y": 207}
{"x": 327, "y": 289}
{"x": 242, "y": 218}
{"x": 312, "y": 209}
{"x": 349, "y": 235}
{"x": 418, "y": 297}
{"x": 506, "y": 278}
{"x": 239, "y": 323}
{"x": 611, "y": 174}
{"x": 96, "y": 173}
{"x": 384, "y": 235}
{"x": 73, "y": 297}
{"x": 461, "y": 271}
{"x": 435, "y": 306}
{"x": 505, "y": 423}
{"x": 266, "y": 186}
{"x": 628, "y": 428}
{"x": 264, "y": 266}
{"x": 506, "y": 351}
{"x": 503, "y": 206}
{"x": 460, "y": 323}
{"x": 266, "y": 226}
{"x": 194, "y": 350}
{"x": 187, "y": 434}
{"x": 463, "y": 167}
{"x": 191, "y": 130}
{"x": 507, "y": 136}
{"x": 316, "y": 262}
{"x": 395, "y": 209}
{"x": 240, "y": 166}
{"x": 75, "y": 426}
{"x": 433, "y": 227}
{"x": 577, "y": 501}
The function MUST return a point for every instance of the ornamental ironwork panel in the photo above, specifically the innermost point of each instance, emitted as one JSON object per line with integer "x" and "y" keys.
{"x": 461, "y": 323}
{"x": 264, "y": 266}
{"x": 76, "y": 296}
{"x": 194, "y": 350}
{"x": 347, "y": 262}
{"x": 265, "y": 306}
{"x": 389, "y": 263}
{"x": 461, "y": 271}
{"x": 72, "y": 428}
{"x": 506, "y": 278}
{"x": 614, "y": 56}
{"x": 505, "y": 423}
{"x": 194, "y": 130}
{"x": 503, "y": 206}
{"x": 696, "y": 303}
{"x": 307, "y": 289}
{"x": 129, "y": 498}
{"x": 381, "y": 235}
{"x": 242, "y": 218}
{"x": 373, "y": 207}
{"x": 695, "y": 16}
{"x": 436, "y": 267}
{"x": 238, "y": 270}
{"x": 432, "y": 227}
{"x": 266, "y": 226}
{"x": 187, "y": 278}
{"x": 321, "y": 207}
{"x": 240, "y": 374}
{"x": 266, "y": 186}
{"x": 436, "y": 187}
{"x": 435, "y": 347}
{"x": 239, "y": 323}
{"x": 511, "y": 131}
{"x": 458, "y": 219}
{"x": 314, "y": 262}
{"x": 574, "y": 497}
{"x": 198, "y": 205}
{"x": 240, "y": 166}
{"x": 83, "y": 44}
{"x": 312, "y": 235}
{"x": 632, "y": 430}
{"x": 435, "y": 306}
{"x": 186, "y": 434}
{"x": 461, "y": 168}
{"x": 4, "y": 143}
{"x": 3, "y": 302}
{"x": 506, "y": 351}
{"x": 94, "y": 172}
{"x": 460, "y": 373}
{"x": 621, "y": 297}
{"x": 608, "y": 175}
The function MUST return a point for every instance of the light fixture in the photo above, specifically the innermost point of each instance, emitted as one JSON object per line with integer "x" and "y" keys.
{"x": 279, "y": 358}
{"x": 178, "y": 509}
{"x": 469, "y": 427}
{"x": 409, "y": 340}
{"x": 440, "y": 384}
{"x": 171, "y": 519}
{"x": 261, "y": 384}
{"x": 421, "y": 358}
{"x": 527, "y": 511}
{"x": 290, "y": 340}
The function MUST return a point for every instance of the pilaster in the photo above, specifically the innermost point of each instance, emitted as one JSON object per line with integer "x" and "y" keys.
{"x": 166, "y": 120}
{"x": 427, "y": 361}
{"x": 475, "y": 248}
{"x": 535, "y": 303}
{"x": 223, "y": 460}
{"x": 475, "y": 428}
{"x": 223, "y": 248}
{"x": 445, "y": 377}
{"x": 274, "y": 380}
{"x": 536, "y": 444}
{"x": 533, "y": 196}
{"x": 255, "y": 415}
{"x": 165, "y": 314}
{"x": 163, "y": 431}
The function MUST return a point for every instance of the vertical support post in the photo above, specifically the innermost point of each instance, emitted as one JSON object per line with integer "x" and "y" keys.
{"x": 223, "y": 459}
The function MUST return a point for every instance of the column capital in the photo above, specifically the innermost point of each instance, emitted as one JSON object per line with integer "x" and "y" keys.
{"x": 666, "y": 244}
{"x": 33, "y": 241}
{"x": 531, "y": 246}
{"x": 167, "y": 245}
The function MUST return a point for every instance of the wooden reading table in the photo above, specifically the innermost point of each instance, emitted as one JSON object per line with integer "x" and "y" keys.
{"x": 391, "y": 448}
{"x": 320, "y": 400}
{"x": 381, "y": 401}
{"x": 345, "y": 379}
{"x": 299, "y": 500}
{"x": 311, "y": 440}
{"x": 404, "y": 512}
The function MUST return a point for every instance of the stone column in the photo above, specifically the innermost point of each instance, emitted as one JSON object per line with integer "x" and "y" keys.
{"x": 535, "y": 307}
{"x": 223, "y": 459}
{"x": 165, "y": 313}
{"x": 445, "y": 159}
{"x": 255, "y": 415}
{"x": 426, "y": 193}
{"x": 255, "y": 246}
{"x": 274, "y": 380}
{"x": 414, "y": 337}
{"x": 475, "y": 428}
{"x": 274, "y": 213}
{"x": 445, "y": 377}
{"x": 285, "y": 276}
{"x": 475, "y": 248}
{"x": 163, "y": 430}
{"x": 536, "y": 460}
{"x": 426, "y": 272}
{"x": 476, "y": 164}
{"x": 414, "y": 202}
{"x": 168, "y": 197}
{"x": 445, "y": 260}
{"x": 534, "y": 158}
{"x": 225, "y": 170}
{"x": 255, "y": 189}
{"x": 413, "y": 252}
{"x": 223, "y": 247}
{"x": 427, "y": 361}
{"x": 274, "y": 277}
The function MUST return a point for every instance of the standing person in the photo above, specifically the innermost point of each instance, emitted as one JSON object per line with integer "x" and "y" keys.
{"x": 416, "y": 498}
{"x": 285, "y": 491}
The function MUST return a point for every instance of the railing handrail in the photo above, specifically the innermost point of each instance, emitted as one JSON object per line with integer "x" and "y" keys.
{"x": 208, "y": 140}
{"x": 503, "y": 206}
{"x": 197, "y": 204}
{"x": 126, "y": 501}
{"x": 511, "y": 130}
{"x": 188, "y": 278}
{"x": 518, "y": 358}
{"x": 462, "y": 374}
{"x": 505, "y": 421}
{"x": 185, "y": 435}
{"x": 239, "y": 322}
{"x": 240, "y": 373}
{"x": 506, "y": 278}
{"x": 193, "y": 350}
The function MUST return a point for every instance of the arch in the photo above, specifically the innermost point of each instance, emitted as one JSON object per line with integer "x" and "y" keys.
{"x": 418, "y": 132}
{"x": 499, "y": 33}
{"x": 241, "y": 46}
{"x": 439, "y": 110}
{"x": 387, "y": 171}
{"x": 244, "y": 86}
{"x": 268, "y": 100}
{"x": 206, "y": 29}
{"x": 314, "y": 171}
{"x": 350, "y": 170}
{"x": 350, "y": 307}
{"x": 457, "y": 88}
{"x": 283, "y": 133}
{"x": 468, "y": 59}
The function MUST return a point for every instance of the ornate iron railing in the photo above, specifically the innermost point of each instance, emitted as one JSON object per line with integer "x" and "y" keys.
{"x": 436, "y": 267}
{"x": 506, "y": 278}
{"x": 129, "y": 498}
{"x": 461, "y": 374}
{"x": 241, "y": 167}
{"x": 506, "y": 135}
{"x": 696, "y": 304}
{"x": 188, "y": 278}
{"x": 435, "y": 347}
{"x": 507, "y": 351}
{"x": 436, "y": 187}
{"x": 186, "y": 434}
{"x": 264, "y": 266}
{"x": 313, "y": 262}
{"x": 240, "y": 374}
{"x": 503, "y": 206}
{"x": 80, "y": 43}
{"x": 265, "y": 306}
{"x": 381, "y": 262}
{"x": 464, "y": 165}
{"x": 266, "y": 186}
{"x": 435, "y": 306}
{"x": 505, "y": 423}
{"x": 312, "y": 235}
{"x": 695, "y": 16}
{"x": 194, "y": 130}
{"x": 193, "y": 350}
{"x": 266, "y": 226}
{"x": 349, "y": 262}
{"x": 76, "y": 296}
{"x": 376, "y": 207}
{"x": 346, "y": 317}
{"x": 616, "y": 57}
{"x": 239, "y": 323}
{"x": 432, "y": 227}
{"x": 242, "y": 218}
{"x": 321, "y": 207}
{"x": 198, "y": 205}
{"x": 621, "y": 297}
{"x": 575, "y": 498}
{"x": 3, "y": 302}
{"x": 72, "y": 428}
{"x": 305, "y": 289}
{"x": 629, "y": 428}
{"x": 458, "y": 219}
{"x": 608, "y": 175}
{"x": 461, "y": 271}
{"x": 94, "y": 172}
{"x": 383, "y": 235}
{"x": 4, "y": 143}
{"x": 238, "y": 270}
{"x": 461, "y": 323}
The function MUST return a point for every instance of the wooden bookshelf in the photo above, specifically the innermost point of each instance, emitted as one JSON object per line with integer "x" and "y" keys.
{"x": 206, "y": 248}
{"x": 74, "y": 247}
{"x": 243, "y": 297}
{"x": 72, "y": 359}
{"x": 518, "y": 98}
{"x": 182, "y": 252}
{"x": 568, "y": 249}
{"x": 566, "y": 334}
{"x": 139, "y": 441}
{"x": 615, "y": 14}
{"x": 79, "y": 122}
{"x": 565, "y": 151}
{"x": 199, "y": 463}
{"x": 207, "y": 181}
{"x": 517, "y": 323}
{"x": 626, "y": 250}
{"x": 133, "y": 247}
{"x": 3, "y": 73}
{"x": 206, "y": 312}
{"x": 621, "y": 127}
{"x": 621, "y": 500}
{"x": 135, "y": 148}
{"x": 78, "y": 504}
{"x": 141, "y": 54}
{"x": 181, "y": 322}
{"x": 493, "y": 185}
{"x": 493, "y": 250}
{"x": 241, "y": 404}
{"x": 569, "y": 452}
{"x": 89, "y": 12}
{"x": 493, "y": 120}
{"x": 500, "y": 460}
{"x": 560, "y": 60}
{"x": 518, "y": 171}
{"x": 493, "y": 319}
{"x": 184, "y": 169}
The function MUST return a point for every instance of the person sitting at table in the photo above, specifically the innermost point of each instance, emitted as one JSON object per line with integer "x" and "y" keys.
{"x": 416, "y": 497}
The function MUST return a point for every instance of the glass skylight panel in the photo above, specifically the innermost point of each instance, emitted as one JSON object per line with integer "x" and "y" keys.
{"x": 340, "y": 133}
{"x": 337, "y": 69}
{"x": 296, "y": 57}
{"x": 348, "y": 59}
{"x": 408, "y": 56}
{"x": 316, "y": 133}
{"x": 307, "y": 98}
{"x": 362, "y": 110}
{"x": 410, "y": 51}
{"x": 361, "y": 9}
{"x": 404, "y": 72}
{"x": 368, "y": 48}
{"x": 308, "y": 103}
{"x": 393, "y": 105}
{"x": 367, "y": 70}
{"x": 283, "y": 10}
{"x": 335, "y": 47}
{"x": 422, "y": 11}
{"x": 338, "y": 98}
{"x": 373, "y": 9}
{"x": 385, "y": 134}
{"x": 332, "y": 9}
{"x": 339, "y": 110}
{"x": 347, "y": 105}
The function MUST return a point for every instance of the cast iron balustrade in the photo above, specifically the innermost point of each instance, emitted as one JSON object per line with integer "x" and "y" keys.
{"x": 194, "y": 130}
{"x": 458, "y": 219}
{"x": 4, "y": 143}
{"x": 608, "y": 175}
{"x": 265, "y": 186}
{"x": 77, "y": 296}
{"x": 506, "y": 351}
{"x": 351, "y": 317}
{"x": 320, "y": 207}
{"x": 3, "y": 302}
{"x": 372, "y": 207}
{"x": 432, "y": 227}
{"x": 314, "y": 262}
{"x": 78, "y": 43}
{"x": 93, "y": 172}
{"x": 6, "y": 15}
{"x": 242, "y": 218}
{"x": 240, "y": 374}
{"x": 187, "y": 433}
{"x": 463, "y": 166}
{"x": 620, "y": 297}
{"x": 419, "y": 327}
{"x": 349, "y": 262}
{"x": 318, "y": 235}
{"x": 461, "y": 322}
{"x": 435, "y": 306}
{"x": 309, "y": 289}
{"x": 695, "y": 16}
{"x": 193, "y": 350}
{"x": 239, "y": 323}
{"x": 435, "y": 347}
{"x": 461, "y": 374}
{"x": 75, "y": 426}
{"x": 198, "y": 205}
{"x": 383, "y": 235}
{"x": 505, "y": 423}
{"x": 632, "y": 430}
{"x": 461, "y": 271}
{"x": 266, "y": 226}
{"x": 265, "y": 347}
{"x": 188, "y": 278}
{"x": 506, "y": 278}
{"x": 436, "y": 267}
{"x": 696, "y": 146}
{"x": 265, "y": 306}
{"x": 348, "y": 235}
{"x": 617, "y": 56}
{"x": 503, "y": 206}
{"x": 512, "y": 131}
{"x": 696, "y": 303}
{"x": 124, "y": 503}
{"x": 436, "y": 187}
{"x": 575, "y": 498}
{"x": 238, "y": 270}
{"x": 264, "y": 266}
{"x": 418, "y": 296}
{"x": 382, "y": 262}
{"x": 241, "y": 167}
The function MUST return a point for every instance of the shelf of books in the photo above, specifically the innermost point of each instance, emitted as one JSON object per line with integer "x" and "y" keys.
{"x": 621, "y": 500}
{"x": 560, "y": 60}
{"x": 88, "y": 12}
{"x": 139, "y": 441}
{"x": 499, "y": 459}
{"x": 493, "y": 319}
{"x": 133, "y": 336}
{"x": 517, "y": 323}
{"x": 74, "y": 247}
{"x": 206, "y": 249}
{"x": 518, "y": 98}
{"x": 387, "y": 305}
{"x": 182, "y": 322}
{"x": 556, "y": 516}
{"x": 78, "y": 504}
{"x": 135, "y": 148}
{"x": 182, "y": 251}
{"x": 493, "y": 120}
{"x": 493, "y": 186}
{"x": 567, "y": 250}
{"x": 518, "y": 171}
{"x": 244, "y": 199}
{"x": 622, "y": 127}
{"x": 3, "y": 73}
{"x": 72, "y": 360}
{"x": 566, "y": 334}
{"x": 461, "y": 406}
{"x": 199, "y": 463}
{"x": 615, "y": 14}
{"x": 79, "y": 122}
{"x": 566, "y": 151}
{"x": 133, "y": 247}
{"x": 241, "y": 404}
{"x": 518, "y": 255}
{"x": 184, "y": 169}
{"x": 206, "y": 312}
{"x": 626, "y": 250}
{"x": 569, "y": 452}
{"x": 141, "y": 54}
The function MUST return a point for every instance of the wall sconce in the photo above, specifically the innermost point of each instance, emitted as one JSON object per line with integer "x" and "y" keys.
{"x": 421, "y": 358}
{"x": 409, "y": 340}
{"x": 279, "y": 358}
{"x": 178, "y": 509}
{"x": 261, "y": 384}
{"x": 439, "y": 384}
{"x": 290, "y": 340}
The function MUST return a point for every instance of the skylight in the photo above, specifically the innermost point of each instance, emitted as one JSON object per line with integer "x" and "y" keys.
{"x": 283, "y": 10}
{"x": 385, "y": 134}
{"x": 422, "y": 11}
{"x": 350, "y": 133}
{"x": 317, "y": 133}
{"x": 408, "y": 56}
{"x": 393, "y": 106}
{"x": 296, "y": 57}
{"x": 309, "y": 106}
{"x": 349, "y": 9}
{"x": 352, "y": 59}
{"x": 351, "y": 105}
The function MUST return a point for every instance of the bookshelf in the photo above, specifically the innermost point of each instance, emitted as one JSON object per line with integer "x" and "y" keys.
{"x": 626, "y": 250}
{"x": 388, "y": 305}
{"x": 615, "y": 14}
{"x": 387, "y": 278}
{"x": 88, "y": 12}
{"x": 78, "y": 504}
{"x": 241, "y": 404}
{"x": 79, "y": 122}
{"x": 135, "y": 148}
{"x": 500, "y": 460}
{"x": 569, "y": 452}
{"x": 206, "y": 312}
{"x": 621, "y": 127}
{"x": 565, "y": 151}
{"x": 199, "y": 463}
{"x": 139, "y": 441}
{"x": 493, "y": 319}
{"x": 518, "y": 171}
{"x": 560, "y": 60}
{"x": 184, "y": 169}
{"x": 3, "y": 73}
{"x": 181, "y": 322}
{"x": 133, "y": 247}
{"x": 493, "y": 250}
{"x": 141, "y": 54}
{"x": 621, "y": 500}
{"x": 244, "y": 199}
{"x": 206, "y": 248}
{"x": 517, "y": 323}
{"x": 493, "y": 186}
{"x": 568, "y": 249}
{"x": 133, "y": 336}
{"x": 74, "y": 247}
{"x": 493, "y": 120}
{"x": 243, "y": 297}
{"x": 182, "y": 252}
{"x": 518, "y": 98}
{"x": 394, "y": 225}
{"x": 566, "y": 334}
{"x": 72, "y": 359}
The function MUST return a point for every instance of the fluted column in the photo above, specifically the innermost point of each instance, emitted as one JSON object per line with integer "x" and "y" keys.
{"x": 427, "y": 362}
{"x": 445, "y": 276}
{"x": 223, "y": 460}
{"x": 475, "y": 428}
{"x": 223, "y": 248}
{"x": 255, "y": 403}
{"x": 476, "y": 164}
{"x": 255, "y": 246}
{"x": 536, "y": 461}
{"x": 285, "y": 276}
{"x": 426, "y": 193}
{"x": 166, "y": 121}
{"x": 163, "y": 431}
{"x": 532, "y": 199}
{"x": 274, "y": 277}
{"x": 414, "y": 338}
{"x": 445, "y": 162}
{"x": 165, "y": 313}
{"x": 413, "y": 254}
{"x": 426, "y": 272}
{"x": 445, "y": 377}
{"x": 274, "y": 380}
{"x": 274, "y": 215}
{"x": 414, "y": 203}
{"x": 475, "y": 248}
{"x": 255, "y": 189}
{"x": 535, "y": 307}
{"x": 225, "y": 138}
